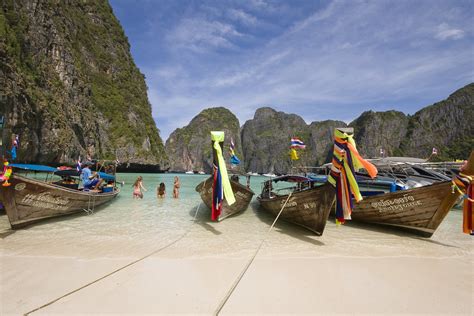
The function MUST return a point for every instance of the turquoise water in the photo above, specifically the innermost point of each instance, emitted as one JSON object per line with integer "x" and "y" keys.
{"x": 130, "y": 227}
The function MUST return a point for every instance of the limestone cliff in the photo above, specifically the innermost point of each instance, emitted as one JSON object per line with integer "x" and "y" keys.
{"x": 379, "y": 130}
{"x": 189, "y": 148}
{"x": 70, "y": 86}
{"x": 447, "y": 125}
{"x": 266, "y": 141}
{"x": 322, "y": 140}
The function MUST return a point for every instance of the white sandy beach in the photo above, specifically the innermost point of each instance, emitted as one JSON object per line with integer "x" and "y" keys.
{"x": 350, "y": 270}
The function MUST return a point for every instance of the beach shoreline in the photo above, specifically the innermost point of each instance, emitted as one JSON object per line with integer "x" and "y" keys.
{"x": 294, "y": 272}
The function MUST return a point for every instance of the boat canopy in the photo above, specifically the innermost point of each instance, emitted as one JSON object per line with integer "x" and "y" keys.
{"x": 318, "y": 178}
{"x": 66, "y": 172}
{"x": 75, "y": 173}
{"x": 291, "y": 178}
{"x": 30, "y": 167}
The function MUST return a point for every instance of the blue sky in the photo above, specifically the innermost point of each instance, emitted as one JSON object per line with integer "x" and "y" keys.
{"x": 318, "y": 59}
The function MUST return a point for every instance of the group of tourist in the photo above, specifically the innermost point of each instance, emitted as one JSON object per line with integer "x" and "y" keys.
{"x": 91, "y": 181}
{"x": 138, "y": 189}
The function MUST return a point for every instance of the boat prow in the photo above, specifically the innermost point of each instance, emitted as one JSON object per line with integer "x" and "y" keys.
{"x": 243, "y": 195}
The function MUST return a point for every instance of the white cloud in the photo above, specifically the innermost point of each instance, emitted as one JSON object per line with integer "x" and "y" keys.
{"x": 200, "y": 35}
{"x": 331, "y": 63}
{"x": 444, "y": 32}
{"x": 243, "y": 17}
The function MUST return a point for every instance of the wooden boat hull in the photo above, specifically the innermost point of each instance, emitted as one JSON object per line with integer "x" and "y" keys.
{"x": 309, "y": 208}
{"x": 28, "y": 200}
{"x": 243, "y": 196}
{"x": 420, "y": 210}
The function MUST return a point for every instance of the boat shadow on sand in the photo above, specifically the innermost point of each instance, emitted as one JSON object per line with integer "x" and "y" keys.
{"x": 6, "y": 230}
{"x": 283, "y": 227}
{"x": 392, "y": 230}
{"x": 203, "y": 218}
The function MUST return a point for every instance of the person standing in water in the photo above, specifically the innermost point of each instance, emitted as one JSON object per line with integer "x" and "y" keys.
{"x": 137, "y": 188}
{"x": 176, "y": 187}
{"x": 161, "y": 191}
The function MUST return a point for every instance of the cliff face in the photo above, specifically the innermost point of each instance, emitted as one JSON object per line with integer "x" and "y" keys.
{"x": 322, "y": 140}
{"x": 266, "y": 141}
{"x": 71, "y": 87}
{"x": 379, "y": 130}
{"x": 189, "y": 148}
{"x": 446, "y": 125}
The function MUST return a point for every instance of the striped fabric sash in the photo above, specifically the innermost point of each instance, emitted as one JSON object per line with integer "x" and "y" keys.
{"x": 464, "y": 185}
{"x": 346, "y": 160}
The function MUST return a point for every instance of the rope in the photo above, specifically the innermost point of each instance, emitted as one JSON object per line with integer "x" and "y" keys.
{"x": 241, "y": 275}
{"x": 119, "y": 269}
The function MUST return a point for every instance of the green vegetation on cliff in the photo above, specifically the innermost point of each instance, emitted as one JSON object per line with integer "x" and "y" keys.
{"x": 189, "y": 148}
{"x": 445, "y": 125}
{"x": 72, "y": 65}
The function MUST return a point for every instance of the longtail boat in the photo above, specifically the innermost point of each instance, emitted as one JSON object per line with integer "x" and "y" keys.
{"x": 28, "y": 200}
{"x": 243, "y": 196}
{"x": 420, "y": 210}
{"x": 217, "y": 190}
{"x": 308, "y": 206}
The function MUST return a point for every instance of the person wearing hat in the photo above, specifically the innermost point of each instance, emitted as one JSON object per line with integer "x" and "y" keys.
{"x": 89, "y": 180}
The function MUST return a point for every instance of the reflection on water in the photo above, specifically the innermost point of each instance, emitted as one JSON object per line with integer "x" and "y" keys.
{"x": 129, "y": 227}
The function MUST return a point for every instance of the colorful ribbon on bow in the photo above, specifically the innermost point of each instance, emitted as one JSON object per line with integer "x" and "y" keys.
{"x": 221, "y": 187}
{"x": 346, "y": 159}
{"x": 463, "y": 184}
{"x": 7, "y": 173}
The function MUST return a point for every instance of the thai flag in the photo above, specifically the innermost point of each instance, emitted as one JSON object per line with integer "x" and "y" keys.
{"x": 297, "y": 143}
{"x": 232, "y": 147}
{"x": 15, "y": 144}
{"x": 16, "y": 141}
{"x": 233, "y": 158}
{"x": 78, "y": 165}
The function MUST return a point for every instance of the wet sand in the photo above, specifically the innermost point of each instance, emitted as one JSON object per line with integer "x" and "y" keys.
{"x": 349, "y": 270}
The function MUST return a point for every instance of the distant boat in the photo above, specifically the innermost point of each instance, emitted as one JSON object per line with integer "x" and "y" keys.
{"x": 271, "y": 175}
{"x": 252, "y": 173}
{"x": 189, "y": 172}
{"x": 309, "y": 205}
{"x": 29, "y": 200}
{"x": 201, "y": 172}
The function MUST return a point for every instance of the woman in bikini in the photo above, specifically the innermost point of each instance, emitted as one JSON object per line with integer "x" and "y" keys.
{"x": 137, "y": 188}
{"x": 161, "y": 190}
{"x": 176, "y": 187}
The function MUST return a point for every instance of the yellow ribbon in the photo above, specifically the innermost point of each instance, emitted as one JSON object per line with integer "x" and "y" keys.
{"x": 216, "y": 138}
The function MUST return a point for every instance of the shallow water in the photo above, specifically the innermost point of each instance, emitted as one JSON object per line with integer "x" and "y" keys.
{"x": 130, "y": 227}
